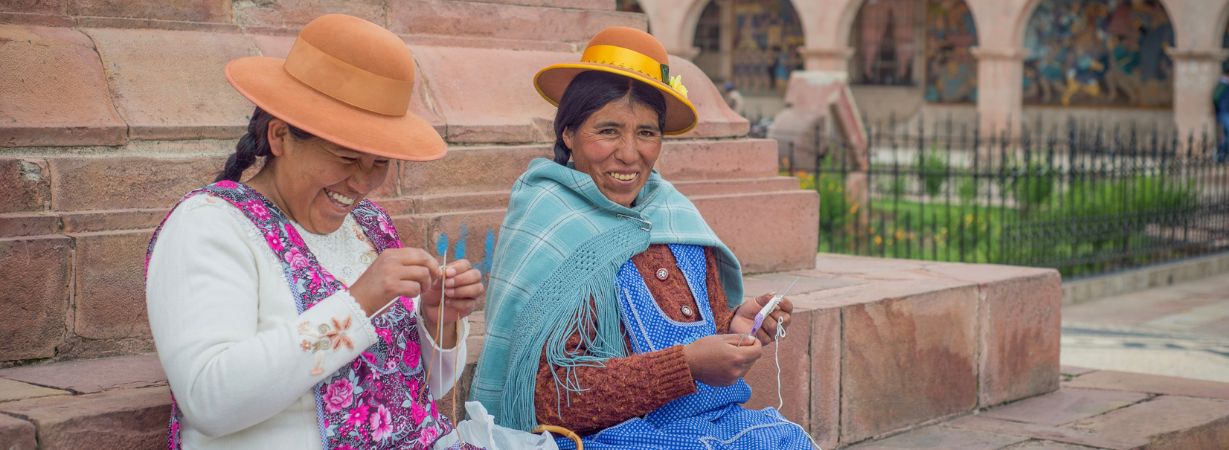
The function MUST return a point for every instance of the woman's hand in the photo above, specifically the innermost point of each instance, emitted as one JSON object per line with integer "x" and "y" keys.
{"x": 744, "y": 318}
{"x": 462, "y": 287}
{"x": 721, "y": 359}
{"x": 396, "y": 272}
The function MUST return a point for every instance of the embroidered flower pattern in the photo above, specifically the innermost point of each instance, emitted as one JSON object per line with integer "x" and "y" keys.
{"x": 326, "y": 336}
{"x": 380, "y": 400}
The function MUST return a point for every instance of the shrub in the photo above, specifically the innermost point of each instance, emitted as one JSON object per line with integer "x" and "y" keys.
{"x": 934, "y": 172}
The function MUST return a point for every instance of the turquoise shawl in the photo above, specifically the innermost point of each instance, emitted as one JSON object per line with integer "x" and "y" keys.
{"x": 561, "y": 243}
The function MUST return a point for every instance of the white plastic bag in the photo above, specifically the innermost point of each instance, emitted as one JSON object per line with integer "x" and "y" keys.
{"x": 480, "y": 430}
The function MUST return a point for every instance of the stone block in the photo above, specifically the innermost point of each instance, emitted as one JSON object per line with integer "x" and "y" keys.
{"x": 715, "y": 118}
{"x": 1066, "y": 405}
{"x": 28, "y": 224}
{"x": 110, "y": 300}
{"x": 768, "y": 231}
{"x": 470, "y": 90}
{"x": 17, "y": 434}
{"x": 189, "y": 99}
{"x": 607, "y": 5}
{"x": 109, "y": 183}
{"x": 754, "y": 285}
{"x": 794, "y": 356}
{"x": 855, "y": 291}
{"x": 705, "y": 160}
{"x": 25, "y": 185}
{"x": 505, "y": 21}
{"x": 825, "y": 377}
{"x": 35, "y": 6}
{"x": 732, "y": 187}
{"x": 1172, "y": 420}
{"x": 127, "y": 418}
{"x": 113, "y": 220}
{"x": 470, "y": 169}
{"x": 938, "y": 437}
{"x": 88, "y": 376}
{"x": 974, "y": 423}
{"x": 54, "y": 91}
{"x": 182, "y": 10}
{"x": 293, "y": 14}
{"x": 454, "y": 202}
{"x": 35, "y": 275}
{"x": 481, "y": 230}
{"x": 15, "y": 390}
{"x": 36, "y": 18}
{"x": 1153, "y": 384}
{"x": 1021, "y": 325}
{"x": 930, "y": 337}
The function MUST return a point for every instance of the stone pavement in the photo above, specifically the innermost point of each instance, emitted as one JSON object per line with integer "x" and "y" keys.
{"x": 1093, "y": 410}
{"x": 1180, "y": 330}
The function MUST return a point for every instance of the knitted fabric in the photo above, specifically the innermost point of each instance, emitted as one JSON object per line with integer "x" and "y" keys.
{"x": 560, "y": 245}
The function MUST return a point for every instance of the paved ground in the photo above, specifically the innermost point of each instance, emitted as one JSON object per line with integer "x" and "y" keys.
{"x": 1180, "y": 330}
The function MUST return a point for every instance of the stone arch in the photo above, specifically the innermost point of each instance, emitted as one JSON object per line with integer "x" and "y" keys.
{"x": 1096, "y": 54}
{"x": 844, "y": 22}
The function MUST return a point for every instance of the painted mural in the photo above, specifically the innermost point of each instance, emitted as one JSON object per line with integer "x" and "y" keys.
{"x": 884, "y": 37}
{"x": 951, "y": 70}
{"x": 764, "y": 43}
{"x": 628, "y": 6}
{"x": 1098, "y": 53}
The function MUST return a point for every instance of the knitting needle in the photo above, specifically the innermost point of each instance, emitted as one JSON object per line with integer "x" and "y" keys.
{"x": 770, "y": 307}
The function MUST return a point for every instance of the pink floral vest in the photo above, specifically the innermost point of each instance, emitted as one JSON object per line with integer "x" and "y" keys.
{"x": 381, "y": 400}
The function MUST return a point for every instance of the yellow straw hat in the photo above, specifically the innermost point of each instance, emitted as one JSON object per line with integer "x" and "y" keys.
{"x": 346, "y": 80}
{"x": 631, "y": 53}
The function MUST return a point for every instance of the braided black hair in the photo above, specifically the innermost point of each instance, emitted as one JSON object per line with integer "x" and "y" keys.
{"x": 254, "y": 144}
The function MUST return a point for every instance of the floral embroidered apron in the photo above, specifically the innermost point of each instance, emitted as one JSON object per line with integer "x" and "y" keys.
{"x": 712, "y": 417}
{"x": 382, "y": 399}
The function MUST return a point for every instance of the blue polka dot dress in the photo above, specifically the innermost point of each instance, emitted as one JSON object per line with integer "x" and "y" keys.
{"x": 712, "y": 418}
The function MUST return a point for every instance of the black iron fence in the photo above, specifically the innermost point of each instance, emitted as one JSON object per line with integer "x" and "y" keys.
{"x": 1083, "y": 199}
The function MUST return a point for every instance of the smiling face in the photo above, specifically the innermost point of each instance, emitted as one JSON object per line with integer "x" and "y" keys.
{"x": 617, "y": 146}
{"x": 316, "y": 182}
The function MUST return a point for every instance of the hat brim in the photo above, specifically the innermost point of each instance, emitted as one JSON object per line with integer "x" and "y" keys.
{"x": 263, "y": 81}
{"x": 553, "y": 80}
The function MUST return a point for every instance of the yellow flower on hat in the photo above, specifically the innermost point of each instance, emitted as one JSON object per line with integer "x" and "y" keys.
{"x": 676, "y": 83}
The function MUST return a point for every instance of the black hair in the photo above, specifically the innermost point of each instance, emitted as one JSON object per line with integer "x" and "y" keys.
{"x": 254, "y": 144}
{"x": 592, "y": 90}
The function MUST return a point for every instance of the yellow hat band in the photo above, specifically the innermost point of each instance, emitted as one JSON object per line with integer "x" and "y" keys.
{"x": 628, "y": 59}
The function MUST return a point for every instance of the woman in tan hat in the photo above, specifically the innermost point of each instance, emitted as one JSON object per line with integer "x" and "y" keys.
{"x": 614, "y": 310}
{"x": 285, "y": 309}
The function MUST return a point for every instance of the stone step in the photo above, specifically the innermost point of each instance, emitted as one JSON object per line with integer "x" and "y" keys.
{"x": 118, "y": 402}
{"x": 481, "y": 93}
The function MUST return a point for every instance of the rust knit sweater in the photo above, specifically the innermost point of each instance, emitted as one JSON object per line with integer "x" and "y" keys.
{"x": 638, "y": 384}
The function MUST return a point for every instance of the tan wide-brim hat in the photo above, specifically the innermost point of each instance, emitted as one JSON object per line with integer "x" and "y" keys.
{"x": 348, "y": 81}
{"x": 631, "y": 53}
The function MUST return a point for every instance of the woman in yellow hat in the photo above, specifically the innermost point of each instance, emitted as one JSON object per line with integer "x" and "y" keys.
{"x": 614, "y": 310}
{"x": 285, "y": 309}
